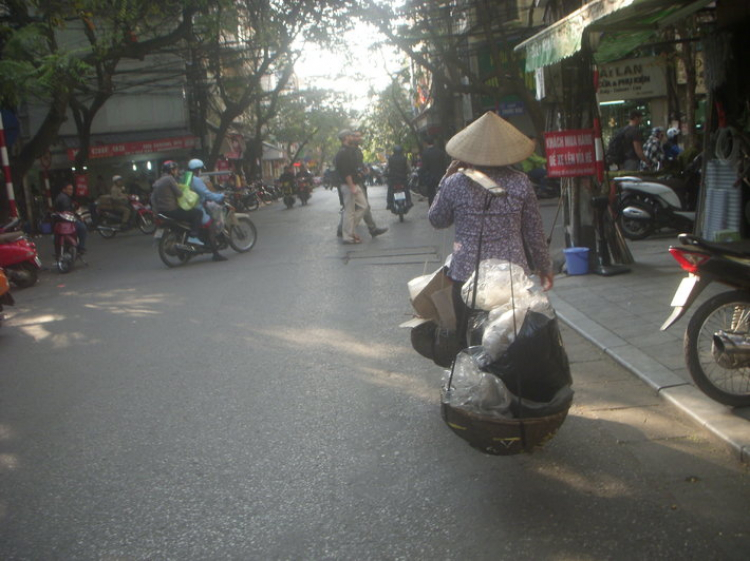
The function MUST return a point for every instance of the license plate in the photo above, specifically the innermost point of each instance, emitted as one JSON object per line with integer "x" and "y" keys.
{"x": 399, "y": 196}
{"x": 683, "y": 291}
{"x": 159, "y": 233}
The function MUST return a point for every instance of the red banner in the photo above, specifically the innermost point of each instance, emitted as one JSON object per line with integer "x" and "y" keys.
{"x": 570, "y": 153}
{"x": 82, "y": 186}
{"x": 130, "y": 148}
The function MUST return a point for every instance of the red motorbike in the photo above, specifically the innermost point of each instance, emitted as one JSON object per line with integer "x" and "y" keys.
{"x": 66, "y": 241}
{"x": 18, "y": 256}
{"x": 109, "y": 220}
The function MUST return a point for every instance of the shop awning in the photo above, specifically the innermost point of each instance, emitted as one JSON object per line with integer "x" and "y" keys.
{"x": 627, "y": 23}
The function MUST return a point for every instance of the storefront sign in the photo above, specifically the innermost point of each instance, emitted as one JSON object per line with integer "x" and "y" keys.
{"x": 82, "y": 186}
{"x": 635, "y": 78}
{"x": 570, "y": 153}
{"x": 131, "y": 148}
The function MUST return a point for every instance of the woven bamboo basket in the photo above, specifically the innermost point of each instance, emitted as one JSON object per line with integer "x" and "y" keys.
{"x": 502, "y": 437}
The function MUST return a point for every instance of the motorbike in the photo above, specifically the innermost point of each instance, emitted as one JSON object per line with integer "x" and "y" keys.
{"x": 717, "y": 338}
{"x": 109, "y": 221}
{"x": 401, "y": 204}
{"x": 18, "y": 256}
{"x": 289, "y": 193}
{"x": 238, "y": 232}
{"x": 65, "y": 240}
{"x": 304, "y": 190}
{"x": 646, "y": 205}
{"x": 6, "y": 298}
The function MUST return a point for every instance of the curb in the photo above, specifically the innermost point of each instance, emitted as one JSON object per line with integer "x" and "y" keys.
{"x": 667, "y": 385}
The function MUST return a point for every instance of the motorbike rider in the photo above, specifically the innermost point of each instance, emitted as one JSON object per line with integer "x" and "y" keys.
{"x": 206, "y": 195}
{"x": 672, "y": 147}
{"x": 120, "y": 200}
{"x": 287, "y": 181}
{"x": 398, "y": 173}
{"x": 64, "y": 203}
{"x": 164, "y": 201}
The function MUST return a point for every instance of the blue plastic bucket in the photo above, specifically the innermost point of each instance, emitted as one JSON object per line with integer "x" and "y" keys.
{"x": 577, "y": 260}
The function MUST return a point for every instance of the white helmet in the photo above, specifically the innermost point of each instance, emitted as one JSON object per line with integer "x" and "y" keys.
{"x": 195, "y": 164}
{"x": 672, "y": 132}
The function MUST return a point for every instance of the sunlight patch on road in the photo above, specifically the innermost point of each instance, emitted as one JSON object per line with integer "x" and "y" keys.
{"x": 8, "y": 462}
{"x": 331, "y": 339}
{"x": 408, "y": 384}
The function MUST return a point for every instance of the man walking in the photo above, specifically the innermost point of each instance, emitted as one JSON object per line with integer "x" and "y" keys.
{"x": 434, "y": 162}
{"x": 352, "y": 195}
{"x": 368, "y": 219}
{"x": 633, "y": 143}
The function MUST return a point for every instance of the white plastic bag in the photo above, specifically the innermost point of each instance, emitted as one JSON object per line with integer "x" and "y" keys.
{"x": 497, "y": 278}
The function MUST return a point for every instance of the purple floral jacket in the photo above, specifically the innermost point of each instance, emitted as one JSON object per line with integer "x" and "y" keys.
{"x": 511, "y": 220}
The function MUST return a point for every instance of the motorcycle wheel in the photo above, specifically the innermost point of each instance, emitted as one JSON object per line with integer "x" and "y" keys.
{"x": 67, "y": 259}
{"x": 106, "y": 232}
{"x": 23, "y": 275}
{"x": 168, "y": 253}
{"x": 253, "y": 205}
{"x": 289, "y": 202}
{"x": 728, "y": 311}
{"x": 146, "y": 223}
{"x": 243, "y": 235}
{"x": 636, "y": 229}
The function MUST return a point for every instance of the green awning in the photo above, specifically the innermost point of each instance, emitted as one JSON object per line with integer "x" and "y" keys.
{"x": 626, "y": 25}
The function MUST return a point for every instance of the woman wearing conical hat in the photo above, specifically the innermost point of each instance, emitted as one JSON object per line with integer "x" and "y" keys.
{"x": 513, "y": 228}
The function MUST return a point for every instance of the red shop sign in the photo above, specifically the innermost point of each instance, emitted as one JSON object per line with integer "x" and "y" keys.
{"x": 130, "y": 148}
{"x": 570, "y": 153}
{"x": 82, "y": 186}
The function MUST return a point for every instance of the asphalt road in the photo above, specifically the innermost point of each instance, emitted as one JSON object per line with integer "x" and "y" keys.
{"x": 269, "y": 407}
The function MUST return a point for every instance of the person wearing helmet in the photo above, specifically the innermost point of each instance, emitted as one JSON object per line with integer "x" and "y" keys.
{"x": 672, "y": 147}
{"x": 206, "y": 196}
{"x": 120, "y": 200}
{"x": 164, "y": 200}
{"x": 398, "y": 172}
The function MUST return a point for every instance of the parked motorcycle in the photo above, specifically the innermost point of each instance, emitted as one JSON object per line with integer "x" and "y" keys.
{"x": 109, "y": 221}
{"x": 401, "y": 204}
{"x": 717, "y": 339}
{"x": 239, "y": 233}
{"x": 6, "y": 298}
{"x": 18, "y": 256}
{"x": 65, "y": 240}
{"x": 646, "y": 205}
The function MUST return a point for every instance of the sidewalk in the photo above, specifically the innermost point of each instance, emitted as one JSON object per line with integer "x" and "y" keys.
{"x": 622, "y": 315}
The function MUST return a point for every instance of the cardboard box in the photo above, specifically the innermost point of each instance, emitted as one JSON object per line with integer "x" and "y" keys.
{"x": 421, "y": 290}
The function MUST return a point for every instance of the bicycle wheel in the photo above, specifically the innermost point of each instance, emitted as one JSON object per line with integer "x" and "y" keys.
{"x": 716, "y": 343}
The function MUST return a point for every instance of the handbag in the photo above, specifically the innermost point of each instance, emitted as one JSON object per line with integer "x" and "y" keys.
{"x": 189, "y": 198}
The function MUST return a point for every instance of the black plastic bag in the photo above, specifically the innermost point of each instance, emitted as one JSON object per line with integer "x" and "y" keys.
{"x": 438, "y": 344}
{"x": 535, "y": 366}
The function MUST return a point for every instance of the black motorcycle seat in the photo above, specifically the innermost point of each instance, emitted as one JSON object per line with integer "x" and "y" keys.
{"x": 736, "y": 249}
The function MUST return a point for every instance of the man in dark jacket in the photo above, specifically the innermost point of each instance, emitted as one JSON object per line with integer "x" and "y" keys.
{"x": 434, "y": 162}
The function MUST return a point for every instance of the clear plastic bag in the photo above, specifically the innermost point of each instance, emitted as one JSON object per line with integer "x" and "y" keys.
{"x": 499, "y": 281}
{"x": 476, "y": 391}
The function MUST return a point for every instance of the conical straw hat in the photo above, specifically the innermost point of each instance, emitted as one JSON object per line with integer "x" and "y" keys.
{"x": 490, "y": 141}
